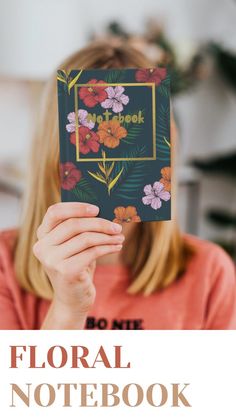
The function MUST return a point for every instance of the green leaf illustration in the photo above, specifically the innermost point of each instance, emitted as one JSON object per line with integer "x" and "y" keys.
{"x": 164, "y": 87}
{"x": 73, "y": 81}
{"x": 115, "y": 180}
{"x": 132, "y": 176}
{"x": 166, "y": 141}
{"x": 162, "y": 128}
{"x": 105, "y": 175}
{"x": 84, "y": 192}
{"x": 64, "y": 77}
{"x": 110, "y": 168}
{"x": 133, "y": 130}
{"x": 115, "y": 76}
{"x": 97, "y": 176}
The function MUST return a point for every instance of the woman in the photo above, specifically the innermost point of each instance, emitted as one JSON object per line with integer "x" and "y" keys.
{"x": 66, "y": 268}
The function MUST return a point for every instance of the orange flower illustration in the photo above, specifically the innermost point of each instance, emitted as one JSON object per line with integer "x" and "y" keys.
{"x": 110, "y": 133}
{"x": 126, "y": 215}
{"x": 166, "y": 178}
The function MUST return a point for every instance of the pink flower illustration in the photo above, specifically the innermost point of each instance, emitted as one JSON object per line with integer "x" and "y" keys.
{"x": 155, "y": 195}
{"x": 69, "y": 175}
{"x": 116, "y": 99}
{"x": 82, "y": 120}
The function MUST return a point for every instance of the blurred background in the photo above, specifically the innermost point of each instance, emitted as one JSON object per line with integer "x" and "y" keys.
{"x": 196, "y": 40}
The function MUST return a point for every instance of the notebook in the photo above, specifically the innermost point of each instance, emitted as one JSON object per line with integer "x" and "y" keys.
{"x": 115, "y": 147}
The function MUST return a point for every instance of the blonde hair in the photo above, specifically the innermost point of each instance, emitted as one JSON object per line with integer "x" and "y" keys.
{"x": 163, "y": 255}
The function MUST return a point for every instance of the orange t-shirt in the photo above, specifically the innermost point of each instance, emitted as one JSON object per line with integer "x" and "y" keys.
{"x": 203, "y": 298}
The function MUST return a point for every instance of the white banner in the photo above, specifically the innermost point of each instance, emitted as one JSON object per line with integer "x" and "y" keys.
{"x": 104, "y": 374}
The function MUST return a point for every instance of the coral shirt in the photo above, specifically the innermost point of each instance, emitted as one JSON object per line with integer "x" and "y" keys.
{"x": 203, "y": 298}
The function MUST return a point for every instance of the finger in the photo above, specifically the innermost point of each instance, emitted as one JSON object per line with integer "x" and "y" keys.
{"x": 78, "y": 262}
{"x": 74, "y": 226}
{"x": 62, "y": 211}
{"x": 83, "y": 241}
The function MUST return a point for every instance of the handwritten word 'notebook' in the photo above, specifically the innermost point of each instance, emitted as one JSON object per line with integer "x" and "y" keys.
{"x": 115, "y": 143}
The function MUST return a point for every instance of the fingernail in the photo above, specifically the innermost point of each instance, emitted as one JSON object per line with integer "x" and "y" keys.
{"x": 92, "y": 209}
{"x": 116, "y": 227}
{"x": 120, "y": 238}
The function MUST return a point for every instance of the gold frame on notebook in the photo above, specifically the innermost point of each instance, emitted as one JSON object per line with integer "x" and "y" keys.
{"x": 152, "y": 85}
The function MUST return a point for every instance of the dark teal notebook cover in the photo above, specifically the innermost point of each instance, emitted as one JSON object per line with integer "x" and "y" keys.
{"x": 115, "y": 147}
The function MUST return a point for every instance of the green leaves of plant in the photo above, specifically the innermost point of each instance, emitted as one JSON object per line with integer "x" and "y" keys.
{"x": 105, "y": 172}
{"x": 84, "y": 192}
{"x": 115, "y": 76}
{"x": 164, "y": 87}
{"x": 65, "y": 78}
{"x": 72, "y": 82}
{"x": 114, "y": 181}
{"x": 133, "y": 173}
{"x": 133, "y": 130}
{"x": 163, "y": 133}
{"x": 133, "y": 133}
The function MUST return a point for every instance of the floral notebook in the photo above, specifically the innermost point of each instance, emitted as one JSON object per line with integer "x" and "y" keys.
{"x": 115, "y": 141}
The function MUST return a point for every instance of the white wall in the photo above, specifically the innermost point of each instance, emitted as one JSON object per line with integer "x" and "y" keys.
{"x": 35, "y": 35}
{"x": 16, "y": 110}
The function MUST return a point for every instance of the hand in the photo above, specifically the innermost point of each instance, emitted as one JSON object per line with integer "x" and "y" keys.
{"x": 70, "y": 239}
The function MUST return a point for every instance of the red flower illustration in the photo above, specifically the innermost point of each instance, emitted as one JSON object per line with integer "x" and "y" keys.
{"x": 150, "y": 75}
{"x": 93, "y": 95}
{"x": 69, "y": 175}
{"x": 88, "y": 140}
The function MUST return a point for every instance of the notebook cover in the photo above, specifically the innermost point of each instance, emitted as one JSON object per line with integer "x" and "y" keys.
{"x": 114, "y": 128}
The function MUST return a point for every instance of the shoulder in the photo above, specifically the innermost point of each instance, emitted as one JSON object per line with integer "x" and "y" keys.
{"x": 204, "y": 248}
{"x": 8, "y": 239}
{"x": 210, "y": 258}
{"x": 8, "y": 283}
{"x": 9, "y": 236}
